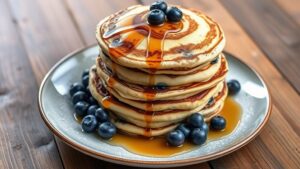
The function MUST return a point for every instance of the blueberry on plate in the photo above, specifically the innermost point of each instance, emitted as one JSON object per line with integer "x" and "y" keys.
{"x": 161, "y": 5}
{"x": 196, "y": 120}
{"x": 175, "y": 138}
{"x": 107, "y": 130}
{"x": 156, "y": 17}
{"x": 75, "y": 87}
{"x": 205, "y": 127}
{"x": 234, "y": 87}
{"x": 198, "y": 136}
{"x": 79, "y": 96}
{"x": 85, "y": 72}
{"x": 174, "y": 14}
{"x": 184, "y": 129}
{"x": 218, "y": 123}
{"x": 87, "y": 90}
{"x": 89, "y": 123}
{"x": 85, "y": 80}
{"x": 91, "y": 100}
{"x": 81, "y": 108}
{"x": 101, "y": 115}
{"x": 92, "y": 109}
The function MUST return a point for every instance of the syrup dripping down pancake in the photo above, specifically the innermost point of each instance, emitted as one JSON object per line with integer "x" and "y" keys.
{"x": 145, "y": 79}
{"x": 128, "y": 112}
{"x": 144, "y": 93}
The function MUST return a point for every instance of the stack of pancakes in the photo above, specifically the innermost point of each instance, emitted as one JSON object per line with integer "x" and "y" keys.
{"x": 151, "y": 78}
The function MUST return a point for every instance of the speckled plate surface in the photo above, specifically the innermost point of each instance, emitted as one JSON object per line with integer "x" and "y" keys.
{"x": 57, "y": 112}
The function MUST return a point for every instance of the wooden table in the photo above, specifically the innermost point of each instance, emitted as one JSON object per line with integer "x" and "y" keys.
{"x": 35, "y": 34}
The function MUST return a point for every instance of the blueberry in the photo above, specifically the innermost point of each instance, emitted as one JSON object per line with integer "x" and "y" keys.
{"x": 211, "y": 101}
{"x": 88, "y": 92}
{"x": 81, "y": 108}
{"x": 89, "y": 123}
{"x": 195, "y": 120}
{"x": 161, "y": 5}
{"x": 184, "y": 129}
{"x": 91, "y": 100}
{"x": 85, "y": 80}
{"x": 156, "y": 17}
{"x": 204, "y": 127}
{"x": 75, "y": 87}
{"x": 174, "y": 14}
{"x": 85, "y": 72}
{"x": 107, "y": 130}
{"x": 218, "y": 123}
{"x": 214, "y": 61}
{"x": 175, "y": 138}
{"x": 101, "y": 115}
{"x": 79, "y": 96}
{"x": 198, "y": 136}
{"x": 161, "y": 86}
{"x": 92, "y": 109}
{"x": 233, "y": 86}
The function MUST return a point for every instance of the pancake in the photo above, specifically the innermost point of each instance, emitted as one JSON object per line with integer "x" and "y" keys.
{"x": 170, "y": 71}
{"x": 129, "y": 41}
{"x": 132, "y": 129}
{"x": 111, "y": 103}
{"x": 131, "y": 120}
{"x": 141, "y": 78}
{"x": 152, "y": 78}
{"x": 187, "y": 103}
{"x": 137, "y": 92}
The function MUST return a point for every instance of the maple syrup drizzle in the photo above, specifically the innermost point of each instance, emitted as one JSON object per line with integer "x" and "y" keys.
{"x": 157, "y": 147}
{"x": 111, "y": 82}
{"x": 106, "y": 102}
{"x": 138, "y": 29}
{"x": 151, "y": 80}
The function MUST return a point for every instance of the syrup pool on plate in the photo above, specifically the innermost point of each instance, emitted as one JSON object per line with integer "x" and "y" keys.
{"x": 157, "y": 147}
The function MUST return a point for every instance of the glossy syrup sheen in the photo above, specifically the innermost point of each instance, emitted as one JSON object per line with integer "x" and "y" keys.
{"x": 157, "y": 147}
{"x": 138, "y": 29}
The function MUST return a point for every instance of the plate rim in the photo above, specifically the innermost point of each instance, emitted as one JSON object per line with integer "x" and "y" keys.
{"x": 133, "y": 162}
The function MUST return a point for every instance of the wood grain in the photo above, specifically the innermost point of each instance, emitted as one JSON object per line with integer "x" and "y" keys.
{"x": 291, "y": 7}
{"x": 274, "y": 31}
{"x": 274, "y": 148}
{"x": 24, "y": 140}
{"x": 86, "y": 14}
{"x": 36, "y": 34}
{"x": 47, "y": 32}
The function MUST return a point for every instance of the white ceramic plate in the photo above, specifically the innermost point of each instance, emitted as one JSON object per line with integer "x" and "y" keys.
{"x": 57, "y": 112}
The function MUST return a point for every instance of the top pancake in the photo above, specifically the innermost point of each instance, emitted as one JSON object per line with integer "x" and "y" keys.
{"x": 130, "y": 41}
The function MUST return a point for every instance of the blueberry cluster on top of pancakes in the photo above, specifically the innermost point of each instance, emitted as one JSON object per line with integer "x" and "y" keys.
{"x": 154, "y": 70}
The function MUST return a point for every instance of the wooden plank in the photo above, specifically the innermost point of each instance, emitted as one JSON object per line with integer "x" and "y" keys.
{"x": 87, "y": 14}
{"x": 47, "y": 31}
{"x": 276, "y": 33}
{"x": 24, "y": 140}
{"x": 291, "y": 7}
{"x": 278, "y": 144}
